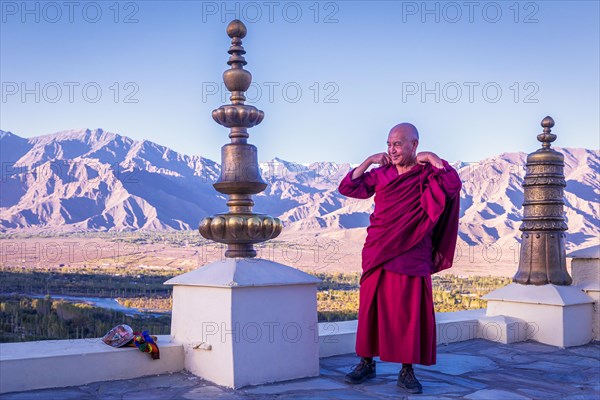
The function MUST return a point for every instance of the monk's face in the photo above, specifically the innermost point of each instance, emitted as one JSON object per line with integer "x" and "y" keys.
{"x": 402, "y": 146}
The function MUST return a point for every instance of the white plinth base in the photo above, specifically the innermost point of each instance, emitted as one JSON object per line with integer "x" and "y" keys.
{"x": 246, "y": 322}
{"x": 555, "y": 315}
{"x": 585, "y": 269}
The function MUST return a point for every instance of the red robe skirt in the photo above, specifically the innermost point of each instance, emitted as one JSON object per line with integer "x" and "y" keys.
{"x": 396, "y": 319}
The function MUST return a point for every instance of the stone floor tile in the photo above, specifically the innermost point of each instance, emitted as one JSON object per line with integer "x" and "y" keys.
{"x": 117, "y": 388}
{"x": 49, "y": 394}
{"x": 429, "y": 388}
{"x": 210, "y": 392}
{"x": 534, "y": 347}
{"x": 545, "y": 366}
{"x": 388, "y": 389}
{"x": 505, "y": 355}
{"x": 465, "y": 381}
{"x": 163, "y": 393}
{"x": 387, "y": 368}
{"x": 339, "y": 361}
{"x": 536, "y": 393}
{"x": 381, "y": 379}
{"x": 181, "y": 379}
{"x": 328, "y": 372}
{"x": 574, "y": 377}
{"x": 443, "y": 388}
{"x": 516, "y": 380}
{"x": 582, "y": 396}
{"x": 314, "y": 384}
{"x": 589, "y": 350}
{"x": 425, "y": 397}
{"x": 107, "y": 391}
{"x": 579, "y": 361}
{"x": 495, "y": 394}
{"x": 458, "y": 364}
{"x": 337, "y": 395}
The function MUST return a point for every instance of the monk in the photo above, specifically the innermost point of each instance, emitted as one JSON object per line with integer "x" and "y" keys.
{"x": 412, "y": 234}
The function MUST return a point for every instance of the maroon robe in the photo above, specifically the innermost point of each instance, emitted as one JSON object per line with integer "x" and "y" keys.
{"x": 412, "y": 234}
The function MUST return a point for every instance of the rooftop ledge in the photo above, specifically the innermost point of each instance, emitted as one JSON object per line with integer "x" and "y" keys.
{"x": 62, "y": 363}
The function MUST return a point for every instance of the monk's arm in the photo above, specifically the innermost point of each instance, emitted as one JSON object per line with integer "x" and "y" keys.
{"x": 425, "y": 157}
{"x": 358, "y": 171}
{"x": 379, "y": 158}
{"x": 448, "y": 179}
{"x": 446, "y": 176}
{"x": 359, "y": 184}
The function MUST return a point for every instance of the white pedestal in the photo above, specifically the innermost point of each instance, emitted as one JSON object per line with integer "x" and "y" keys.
{"x": 585, "y": 270}
{"x": 246, "y": 322}
{"x": 555, "y": 315}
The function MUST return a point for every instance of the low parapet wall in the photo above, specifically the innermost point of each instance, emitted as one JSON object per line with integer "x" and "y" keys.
{"x": 61, "y": 363}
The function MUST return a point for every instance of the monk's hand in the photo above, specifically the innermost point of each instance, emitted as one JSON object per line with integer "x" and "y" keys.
{"x": 380, "y": 158}
{"x": 425, "y": 157}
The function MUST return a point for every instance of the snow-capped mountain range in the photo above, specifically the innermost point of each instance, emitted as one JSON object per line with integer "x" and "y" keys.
{"x": 83, "y": 180}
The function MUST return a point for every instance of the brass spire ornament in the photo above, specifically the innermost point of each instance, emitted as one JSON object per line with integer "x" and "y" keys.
{"x": 240, "y": 178}
{"x": 542, "y": 258}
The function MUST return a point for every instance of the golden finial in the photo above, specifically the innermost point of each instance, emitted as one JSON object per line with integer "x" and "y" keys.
{"x": 240, "y": 176}
{"x": 547, "y": 136}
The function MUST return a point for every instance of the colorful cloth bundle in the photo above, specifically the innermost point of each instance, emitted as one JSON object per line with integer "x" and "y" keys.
{"x": 146, "y": 344}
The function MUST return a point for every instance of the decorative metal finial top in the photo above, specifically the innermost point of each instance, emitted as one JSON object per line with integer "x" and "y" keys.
{"x": 236, "y": 28}
{"x": 547, "y": 136}
{"x": 237, "y": 79}
{"x": 542, "y": 259}
{"x": 240, "y": 178}
{"x": 237, "y": 115}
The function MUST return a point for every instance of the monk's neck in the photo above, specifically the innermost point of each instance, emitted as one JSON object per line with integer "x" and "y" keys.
{"x": 405, "y": 168}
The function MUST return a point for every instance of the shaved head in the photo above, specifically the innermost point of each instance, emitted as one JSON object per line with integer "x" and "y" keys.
{"x": 407, "y": 129}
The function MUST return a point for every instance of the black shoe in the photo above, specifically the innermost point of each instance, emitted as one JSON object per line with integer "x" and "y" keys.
{"x": 408, "y": 381}
{"x": 363, "y": 371}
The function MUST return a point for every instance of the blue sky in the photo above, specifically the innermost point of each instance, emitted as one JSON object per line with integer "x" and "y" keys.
{"x": 332, "y": 77}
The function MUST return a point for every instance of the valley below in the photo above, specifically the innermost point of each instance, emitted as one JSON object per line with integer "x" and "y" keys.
{"x": 178, "y": 252}
{"x": 74, "y": 286}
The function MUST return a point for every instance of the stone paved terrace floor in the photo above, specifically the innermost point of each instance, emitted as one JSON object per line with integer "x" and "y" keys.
{"x": 475, "y": 369}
